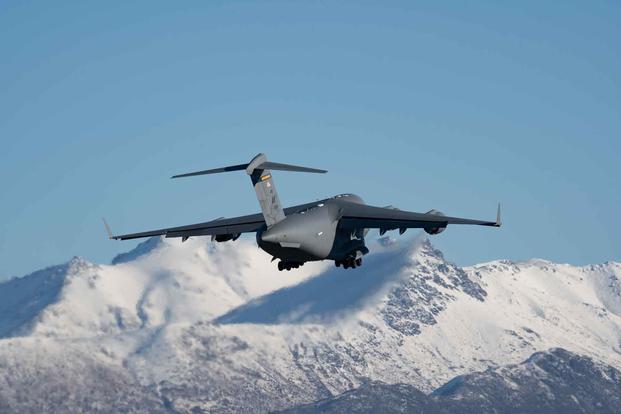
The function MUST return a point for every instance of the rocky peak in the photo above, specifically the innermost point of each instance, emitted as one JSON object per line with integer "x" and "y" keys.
{"x": 431, "y": 283}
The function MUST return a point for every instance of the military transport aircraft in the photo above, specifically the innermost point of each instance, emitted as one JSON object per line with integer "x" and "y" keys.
{"x": 330, "y": 229}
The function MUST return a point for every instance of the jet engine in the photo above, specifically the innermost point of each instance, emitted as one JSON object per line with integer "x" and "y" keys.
{"x": 225, "y": 237}
{"x": 435, "y": 230}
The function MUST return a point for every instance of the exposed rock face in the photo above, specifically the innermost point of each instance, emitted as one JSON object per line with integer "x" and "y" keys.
{"x": 372, "y": 397}
{"x": 555, "y": 381}
{"x": 419, "y": 299}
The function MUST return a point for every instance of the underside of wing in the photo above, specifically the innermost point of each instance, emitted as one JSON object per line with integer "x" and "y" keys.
{"x": 356, "y": 216}
{"x": 223, "y": 226}
{"x": 236, "y": 225}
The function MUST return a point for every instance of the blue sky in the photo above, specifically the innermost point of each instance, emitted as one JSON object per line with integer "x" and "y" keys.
{"x": 453, "y": 106}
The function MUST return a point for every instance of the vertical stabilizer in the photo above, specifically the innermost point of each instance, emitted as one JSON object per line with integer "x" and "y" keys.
{"x": 266, "y": 191}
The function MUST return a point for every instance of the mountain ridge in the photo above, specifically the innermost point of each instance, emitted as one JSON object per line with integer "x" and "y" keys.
{"x": 196, "y": 325}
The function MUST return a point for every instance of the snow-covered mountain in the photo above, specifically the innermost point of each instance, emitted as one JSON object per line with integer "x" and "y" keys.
{"x": 202, "y": 327}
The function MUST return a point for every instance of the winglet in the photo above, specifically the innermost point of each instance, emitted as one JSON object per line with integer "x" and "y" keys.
{"x": 110, "y": 236}
{"x": 498, "y": 219}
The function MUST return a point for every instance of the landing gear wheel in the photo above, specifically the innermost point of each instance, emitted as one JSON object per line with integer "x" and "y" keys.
{"x": 349, "y": 262}
{"x": 280, "y": 266}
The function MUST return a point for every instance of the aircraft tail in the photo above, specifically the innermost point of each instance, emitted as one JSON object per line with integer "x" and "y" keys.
{"x": 259, "y": 170}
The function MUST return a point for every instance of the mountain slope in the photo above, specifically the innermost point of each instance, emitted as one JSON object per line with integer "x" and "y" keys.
{"x": 554, "y": 381}
{"x": 194, "y": 326}
{"x": 158, "y": 282}
{"x": 41, "y": 375}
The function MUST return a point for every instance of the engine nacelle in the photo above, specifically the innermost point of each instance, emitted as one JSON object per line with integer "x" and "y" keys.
{"x": 435, "y": 230}
{"x": 225, "y": 237}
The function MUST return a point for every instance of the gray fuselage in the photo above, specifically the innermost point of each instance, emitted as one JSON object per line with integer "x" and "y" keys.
{"x": 314, "y": 234}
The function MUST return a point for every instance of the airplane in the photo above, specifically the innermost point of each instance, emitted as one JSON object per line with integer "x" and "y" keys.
{"x": 329, "y": 229}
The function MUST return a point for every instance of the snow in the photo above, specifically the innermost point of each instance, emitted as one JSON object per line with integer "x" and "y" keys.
{"x": 196, "y": 323}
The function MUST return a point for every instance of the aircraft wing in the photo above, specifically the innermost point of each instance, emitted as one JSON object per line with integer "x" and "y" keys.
{"x": 243, "y": 224}
{"x": 357, "y": 216}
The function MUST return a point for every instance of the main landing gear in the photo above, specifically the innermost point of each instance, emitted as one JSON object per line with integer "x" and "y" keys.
{"x": 349, "y": 262}
{"x": 289, "y": 265}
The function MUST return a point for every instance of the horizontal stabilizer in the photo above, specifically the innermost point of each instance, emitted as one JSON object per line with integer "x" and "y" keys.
{"x": 213, "y": 171}
{"x": 258, "y": 163}
{"x": 287, "y": 167}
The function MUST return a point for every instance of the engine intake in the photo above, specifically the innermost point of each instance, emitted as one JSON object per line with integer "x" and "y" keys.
{"x": 435, "y": 230}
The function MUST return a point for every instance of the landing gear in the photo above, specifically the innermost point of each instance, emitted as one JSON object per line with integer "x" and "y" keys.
{"x": 289, "y": 265}
{"x": 349, "y": 262}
